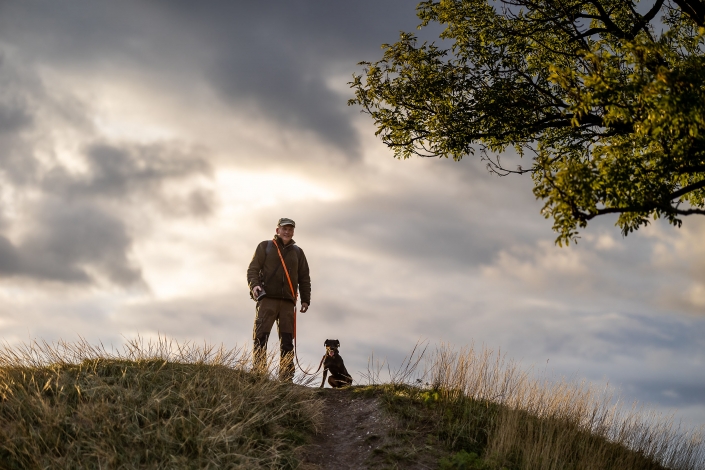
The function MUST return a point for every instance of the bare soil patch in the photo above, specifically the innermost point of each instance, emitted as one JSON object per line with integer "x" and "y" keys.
{"x": 358, "y": 434}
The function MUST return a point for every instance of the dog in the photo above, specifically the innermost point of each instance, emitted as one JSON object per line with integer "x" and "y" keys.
{"x": 339, "y": 376}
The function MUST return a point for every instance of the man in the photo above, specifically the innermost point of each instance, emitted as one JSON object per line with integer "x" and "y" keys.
{"x": 266, "y": 274}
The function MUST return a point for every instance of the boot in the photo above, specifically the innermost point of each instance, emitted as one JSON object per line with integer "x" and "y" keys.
{"x": 259, "y": 355}
{"x": 286, "y": 367}
{"x": 286, "y": 362}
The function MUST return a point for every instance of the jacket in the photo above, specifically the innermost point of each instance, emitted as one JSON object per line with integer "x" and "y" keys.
{"x": 266, "y": 270}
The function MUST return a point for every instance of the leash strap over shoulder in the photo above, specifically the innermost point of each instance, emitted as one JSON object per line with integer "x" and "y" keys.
{"x": 288, "y": 278}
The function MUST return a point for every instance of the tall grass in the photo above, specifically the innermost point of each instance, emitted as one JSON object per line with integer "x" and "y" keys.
{"x": 160, "y": 404}
{"x": 478, "y": 401}
{"x": 165, "y": 404}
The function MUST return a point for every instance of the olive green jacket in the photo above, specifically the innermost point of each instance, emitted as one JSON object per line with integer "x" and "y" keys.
{"x": 266, "y": 270}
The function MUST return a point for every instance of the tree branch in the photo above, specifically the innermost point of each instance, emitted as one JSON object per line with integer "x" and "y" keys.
{"x": 669, "y": 209}
{"x": 691, "y": 169}
{"x": 688, "y": 189}
{"x": 695, "y": 9}
{"x": 589, "y": 33}
{"x": 647, "y": 18}
{"x": 611, "y": 26}
{"x": 652, "y": 206}
{"x": 620, "y": 210}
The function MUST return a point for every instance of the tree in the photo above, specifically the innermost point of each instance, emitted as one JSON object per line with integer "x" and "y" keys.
{"x": 604, "y": 98}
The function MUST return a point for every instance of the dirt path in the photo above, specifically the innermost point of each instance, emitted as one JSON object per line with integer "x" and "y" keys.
{"x": 356, "y": 434}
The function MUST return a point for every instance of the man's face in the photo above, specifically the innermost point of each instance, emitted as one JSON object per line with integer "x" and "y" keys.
{"x": 285, "y": 232}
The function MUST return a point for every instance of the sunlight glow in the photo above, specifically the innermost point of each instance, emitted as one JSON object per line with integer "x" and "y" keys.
{"x": 242, "y": 191}
{"x": 183, "y": 258}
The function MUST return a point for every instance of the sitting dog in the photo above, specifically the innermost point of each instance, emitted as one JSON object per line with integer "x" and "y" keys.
{"x": 332, "y": 362}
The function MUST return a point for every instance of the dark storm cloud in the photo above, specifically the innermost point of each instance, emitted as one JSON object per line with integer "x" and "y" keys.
{"x": 421, "y": 232}
{"x": 281, "y": 53}
{"x": 17, "y": 91}
{"x": 77, "y": 229}
{"x": 431, "y": 225}
{"x": 273, "y": 56}
{"x": 215, "y": 313}
{"x": 133, "y": 172}
{"x": 9, "y": 258}
{"x": 13, "y": 117}
{"x": 15, "y": 97}
{"x": 74, "y": 229}
{"x": 296, "y": 102}
{"x": 656, "y": 332}
{"x": 68, "y": 243}
{"x": 675, "y": 393}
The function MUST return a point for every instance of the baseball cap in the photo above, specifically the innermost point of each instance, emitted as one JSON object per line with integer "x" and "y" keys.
{"x": 285, "y": 221}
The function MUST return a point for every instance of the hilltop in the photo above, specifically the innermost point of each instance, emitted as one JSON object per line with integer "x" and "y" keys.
{"x": 170, "y": 405}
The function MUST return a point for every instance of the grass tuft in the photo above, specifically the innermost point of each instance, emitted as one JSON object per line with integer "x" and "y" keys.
{"x": 155, "y": 405}
{"x": 491, "y": 415}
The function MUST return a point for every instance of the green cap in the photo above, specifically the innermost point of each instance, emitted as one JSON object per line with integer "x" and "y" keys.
{"x": 285, "y": 221}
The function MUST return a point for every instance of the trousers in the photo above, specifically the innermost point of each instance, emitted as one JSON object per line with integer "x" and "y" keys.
{"x": 282, "y": 312}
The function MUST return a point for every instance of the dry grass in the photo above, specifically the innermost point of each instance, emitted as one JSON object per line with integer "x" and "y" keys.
{"x": 154, "y": 405}
{"x": 477, "y": 401}
{"x": 168, "y": 405}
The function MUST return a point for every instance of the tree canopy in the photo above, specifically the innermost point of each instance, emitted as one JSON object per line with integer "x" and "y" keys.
{"x": 604, "y": 101}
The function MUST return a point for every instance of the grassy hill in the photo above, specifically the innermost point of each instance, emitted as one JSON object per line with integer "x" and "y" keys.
{"x": 159, "y": 406}
{"x": 170, "y": 405}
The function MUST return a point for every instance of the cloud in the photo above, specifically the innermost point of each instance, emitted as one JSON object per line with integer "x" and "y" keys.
{"x": 9, "y": 258}
{"x": 430, "y": 214}
{"x": 130, "y": 172}
{"x": 72, "y": 240}
{"x": 272, "y": 59}
{"x": 69, "y": 197}
{"x": 277, "y": 58}
{"x": 13, "y": 117}
{"x": 677, "y": 394}
{"x": 679, "y": 256}
{"x": 17, "y": 119}
{"x": 78, "y": 229}
{"x": 72, "y": 244}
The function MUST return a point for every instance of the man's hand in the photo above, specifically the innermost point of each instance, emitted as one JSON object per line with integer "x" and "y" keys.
{"x": 256, "y": 290}
{"x": 304, "y": 307}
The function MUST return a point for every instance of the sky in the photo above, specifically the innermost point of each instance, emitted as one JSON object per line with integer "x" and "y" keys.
{"x": 147, "y": 147}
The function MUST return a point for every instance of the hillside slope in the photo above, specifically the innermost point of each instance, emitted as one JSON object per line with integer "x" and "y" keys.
{"x": 151, "y": 405}
{"x": 170, "y": 405}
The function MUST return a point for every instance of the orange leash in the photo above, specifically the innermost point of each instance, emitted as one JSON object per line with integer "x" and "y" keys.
{"x": 296, "y": 297}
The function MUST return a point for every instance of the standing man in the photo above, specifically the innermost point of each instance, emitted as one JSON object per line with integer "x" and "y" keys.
{"x": 266, "y": 275}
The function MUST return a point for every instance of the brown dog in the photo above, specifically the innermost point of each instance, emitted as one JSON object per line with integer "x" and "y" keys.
{"x": 339, "y": 376}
